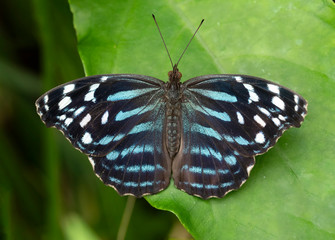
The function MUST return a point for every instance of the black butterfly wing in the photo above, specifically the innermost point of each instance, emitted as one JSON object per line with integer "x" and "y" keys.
{"x": 227, "y": 120}
{"x": 117, "y": 120}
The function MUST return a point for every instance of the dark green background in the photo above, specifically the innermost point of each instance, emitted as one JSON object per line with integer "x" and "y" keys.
{"x": 49, "y": 191}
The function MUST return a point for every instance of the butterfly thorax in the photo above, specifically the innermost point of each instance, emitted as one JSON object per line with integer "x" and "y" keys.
{"x": 174, "y": 76}
{"x": 173, "y": 112}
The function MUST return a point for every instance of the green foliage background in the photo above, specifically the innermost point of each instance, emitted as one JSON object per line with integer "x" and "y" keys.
{"x": 48, "y": 189}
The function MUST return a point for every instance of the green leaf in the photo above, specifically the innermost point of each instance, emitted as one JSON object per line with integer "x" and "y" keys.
{"x": 291, "y": 190}
{"x": 76, "y": 228}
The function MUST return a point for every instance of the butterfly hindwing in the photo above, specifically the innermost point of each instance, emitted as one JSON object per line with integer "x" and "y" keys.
{"x": 138, "y": 164}
{"x": 206, "y": 166}
{"x": 227, "y": 120}
{"x": 117, "y": 120}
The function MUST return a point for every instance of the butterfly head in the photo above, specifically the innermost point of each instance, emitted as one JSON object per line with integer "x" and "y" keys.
{"x": 175, "y": 75}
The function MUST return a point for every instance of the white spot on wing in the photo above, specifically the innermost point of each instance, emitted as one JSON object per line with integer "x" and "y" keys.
{"x": 253, "y": 97}
{"x": 94, "y": 86}
{"x": 46, "y": 98}
{"x": 68, "y": 88}
{"x": 273, "y": 88}
{"x": 260, "y": 137}
{"x": 85, "y": 120}
{"x": 86, "y": 139}
{"x": 281, "y": 117}
{"x": 248, "y": 87}
{"x": 238, "y": 79}
{"x": 259, "y": 120}
{"x": 79, "y": 111}
{"x": 276, "y": 121}
{"x": 278, "y": 102}
{"x": 240, "y": 118}
{"x": 62, "y": 117}
{"x": 266, "y": 112}
{"x": 68, "y": 121}
{"x": 64, "y": 102}
{"x": 103, "y": 78}
{"x": 296, "y": 99}
{"x": 90, "y": 95}
{"x": 104, "y": 118}
{"x": 296, "y": 108}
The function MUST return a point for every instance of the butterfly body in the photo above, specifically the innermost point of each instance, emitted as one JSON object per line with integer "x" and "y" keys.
{"x": 173, "y": 98}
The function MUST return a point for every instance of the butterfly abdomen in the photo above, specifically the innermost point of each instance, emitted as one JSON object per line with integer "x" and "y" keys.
{"x": 173, "y": 123}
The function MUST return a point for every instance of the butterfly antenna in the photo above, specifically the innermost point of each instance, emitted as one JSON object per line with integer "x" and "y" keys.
{"x": 190, "y": 40}
{"x": 163, "y": 40}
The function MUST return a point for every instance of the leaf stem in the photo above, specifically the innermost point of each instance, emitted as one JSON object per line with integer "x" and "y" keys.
{"x": 126, "y": 218}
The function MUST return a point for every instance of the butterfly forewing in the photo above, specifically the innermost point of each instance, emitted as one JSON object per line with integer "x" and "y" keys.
{"x": 227, "y": 120}
{"x": 254, "y": 111}
{"x": 117, "y": 120}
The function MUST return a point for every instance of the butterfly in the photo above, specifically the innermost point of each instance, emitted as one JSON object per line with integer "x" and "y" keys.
{"x": 137, "y": 130}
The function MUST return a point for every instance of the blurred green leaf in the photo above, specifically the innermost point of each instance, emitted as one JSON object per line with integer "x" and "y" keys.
{"x": 75, "y": 228}
{"x": 58, "y": 62}
{"x": 290, "y": 193}
{"x": 16, "y": 78}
